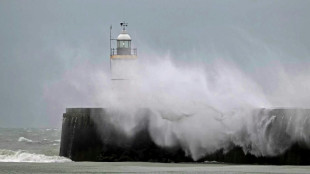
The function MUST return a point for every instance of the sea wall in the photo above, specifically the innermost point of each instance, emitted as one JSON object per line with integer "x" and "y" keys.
{"x": 79, "y": 139}
{"x": 88, "y": 135}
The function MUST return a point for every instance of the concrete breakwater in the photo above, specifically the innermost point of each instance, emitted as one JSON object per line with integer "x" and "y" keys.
{"x": 88, "y": 135}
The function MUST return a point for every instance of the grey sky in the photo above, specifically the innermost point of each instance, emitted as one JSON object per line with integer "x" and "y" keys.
{"x": 40, "y": 40}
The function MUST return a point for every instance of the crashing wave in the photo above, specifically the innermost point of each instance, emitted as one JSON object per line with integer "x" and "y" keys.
{"x": 23, "y": 139}
{"x": 24, "y": 156}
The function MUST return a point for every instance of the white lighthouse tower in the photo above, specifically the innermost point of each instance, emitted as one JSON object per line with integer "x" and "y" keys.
{"x": 123, "y": 58}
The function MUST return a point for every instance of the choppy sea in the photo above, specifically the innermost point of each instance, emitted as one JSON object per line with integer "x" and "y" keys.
{"x": 30, "y": 145}
{"x": 30, "y": 150}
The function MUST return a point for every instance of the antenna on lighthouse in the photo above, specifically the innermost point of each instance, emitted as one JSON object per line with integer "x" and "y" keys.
{"x": 124, "y": 25}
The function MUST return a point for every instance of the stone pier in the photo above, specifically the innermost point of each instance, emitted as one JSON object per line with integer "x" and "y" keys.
{"x": 88, "y": 136}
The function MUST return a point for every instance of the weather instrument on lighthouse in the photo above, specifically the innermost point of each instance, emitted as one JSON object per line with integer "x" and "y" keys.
{"x": 123, "y": 57}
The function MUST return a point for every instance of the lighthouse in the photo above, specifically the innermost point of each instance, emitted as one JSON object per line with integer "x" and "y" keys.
{"x": 123, "y": 57}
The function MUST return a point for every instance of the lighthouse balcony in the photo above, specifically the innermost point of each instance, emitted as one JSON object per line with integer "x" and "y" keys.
{"x": 123, "y": 51}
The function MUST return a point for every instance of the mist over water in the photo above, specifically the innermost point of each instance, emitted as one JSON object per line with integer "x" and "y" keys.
{"x": 198, "y": 106}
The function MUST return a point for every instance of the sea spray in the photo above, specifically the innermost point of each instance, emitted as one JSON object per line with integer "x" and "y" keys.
{"x": 201, "y": 109}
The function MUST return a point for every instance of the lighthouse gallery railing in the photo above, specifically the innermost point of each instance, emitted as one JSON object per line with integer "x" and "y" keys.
{"x": 133, "y": 51}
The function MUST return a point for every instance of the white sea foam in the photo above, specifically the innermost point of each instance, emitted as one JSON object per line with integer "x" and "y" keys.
{"x": 23, "y": 139}
{"x": 57, "y": 141}
{"x": 24, "y": 156}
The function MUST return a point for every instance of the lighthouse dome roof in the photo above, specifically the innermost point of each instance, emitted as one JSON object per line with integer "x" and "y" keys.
{"x": 124, "y": 36}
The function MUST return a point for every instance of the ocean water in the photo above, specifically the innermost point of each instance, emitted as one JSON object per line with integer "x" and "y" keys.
{"x": 36, "y": 151}
{"x": 30, "y": 145}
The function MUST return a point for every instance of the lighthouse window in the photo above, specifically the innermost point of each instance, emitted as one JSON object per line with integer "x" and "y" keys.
{"x": 123, "y": 44}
